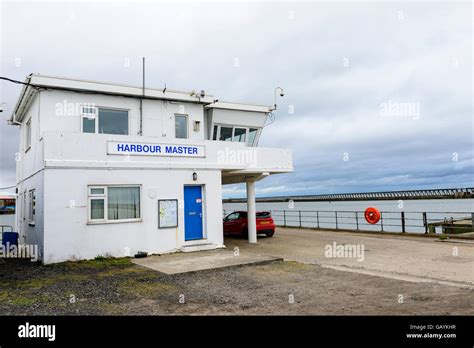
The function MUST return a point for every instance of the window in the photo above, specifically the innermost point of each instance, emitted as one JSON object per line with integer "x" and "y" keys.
{"x": 235, "y": 133}
{"x": 239, "y": 134}
{"x": 252, "y": 136}
{"x": 225, "y": 134}
{"x": 109, "y": 121}
{"x": 88, "y": 125}
{"x": 114, "y": 203}
{"x": 32, "y": 208}
{"x": 113, "y": 121}
{"x": 233, "y": 216}
{"x": 181, "y": 126}
{"x": 28, "y": 135}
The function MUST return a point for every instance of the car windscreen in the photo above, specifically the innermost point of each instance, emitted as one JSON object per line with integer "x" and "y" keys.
{"x": 263, "y": 214}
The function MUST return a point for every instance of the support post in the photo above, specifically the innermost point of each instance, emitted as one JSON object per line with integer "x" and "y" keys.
{"x": 299, "y": 214}
{"x": 251, "y": 212}
{"x": 403, "y": 221}
{"x": 425, "y": 222}
{"x": 357, "y": 220}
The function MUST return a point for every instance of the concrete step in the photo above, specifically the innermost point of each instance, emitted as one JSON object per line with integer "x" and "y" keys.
{"x": 199, "y": 247}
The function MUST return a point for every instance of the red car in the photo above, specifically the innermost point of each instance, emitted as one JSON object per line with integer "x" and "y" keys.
{"x": 236, "y": 223}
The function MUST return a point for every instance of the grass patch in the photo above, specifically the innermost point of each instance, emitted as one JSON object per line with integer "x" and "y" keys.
{"x": 39, "y": 283}
{"x": 124, "y": 272}
{"x": 97, "y": 263}
{"x": 22, "y": 301}
{"x": 12, "y": 297}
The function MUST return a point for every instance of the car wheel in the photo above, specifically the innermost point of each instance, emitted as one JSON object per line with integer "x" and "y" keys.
{"x": 270, "y": 234}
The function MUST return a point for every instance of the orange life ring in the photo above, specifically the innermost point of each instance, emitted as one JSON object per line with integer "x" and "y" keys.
{"x": 372, "y": 215}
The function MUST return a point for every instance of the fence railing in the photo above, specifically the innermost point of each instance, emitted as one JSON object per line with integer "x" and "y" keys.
{"x": 390, "y": 221}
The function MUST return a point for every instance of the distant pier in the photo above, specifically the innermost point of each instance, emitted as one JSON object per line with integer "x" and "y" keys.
{"x": 452, "y": 193}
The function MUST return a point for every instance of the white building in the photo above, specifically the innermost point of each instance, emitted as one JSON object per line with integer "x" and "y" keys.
{"x": 110, "y": 170}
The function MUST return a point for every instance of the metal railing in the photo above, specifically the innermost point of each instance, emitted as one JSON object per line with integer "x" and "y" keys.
{"x": 390, "y": 221}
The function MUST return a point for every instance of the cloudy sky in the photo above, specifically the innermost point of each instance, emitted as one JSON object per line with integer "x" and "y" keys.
{"x": 378, "y": 96}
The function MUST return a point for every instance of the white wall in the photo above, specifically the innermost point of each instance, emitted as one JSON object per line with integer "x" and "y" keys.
{"x": 31, "y": 234}
{"x": 68, "y": 236}
{"x": 60, "y": 111}
{"x": 29, "y": 161}
{"x": 240, "y": 118}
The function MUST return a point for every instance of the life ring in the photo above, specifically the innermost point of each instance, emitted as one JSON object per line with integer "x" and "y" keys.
{"x": 372, "y": 215}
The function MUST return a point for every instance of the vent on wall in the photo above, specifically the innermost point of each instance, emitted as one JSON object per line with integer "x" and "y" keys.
{"x": 89, "y": 112}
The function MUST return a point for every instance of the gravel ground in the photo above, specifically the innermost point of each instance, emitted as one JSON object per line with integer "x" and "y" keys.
{"x": 118, "y": 287}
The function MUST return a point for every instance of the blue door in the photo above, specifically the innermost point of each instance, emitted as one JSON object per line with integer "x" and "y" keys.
{"x": 192, "y": 212}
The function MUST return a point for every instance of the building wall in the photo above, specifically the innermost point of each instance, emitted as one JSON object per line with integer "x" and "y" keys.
{"x": 68, "y": 236}
{"x": 29, "y": 161}
{"x": 28, "y": 233}
{"x": 60, "y": 110}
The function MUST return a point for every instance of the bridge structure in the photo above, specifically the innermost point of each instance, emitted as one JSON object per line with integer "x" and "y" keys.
{"x": 451, "y": 193}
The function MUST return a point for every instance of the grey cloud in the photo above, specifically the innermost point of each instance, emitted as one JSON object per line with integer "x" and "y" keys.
{"x": 397, "y": 52}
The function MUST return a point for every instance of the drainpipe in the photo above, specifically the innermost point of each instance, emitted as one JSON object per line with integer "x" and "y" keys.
{"x": 140, "y": 132}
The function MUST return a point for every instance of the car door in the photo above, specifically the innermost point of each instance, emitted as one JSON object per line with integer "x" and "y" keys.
{"x": 231, "y": 223}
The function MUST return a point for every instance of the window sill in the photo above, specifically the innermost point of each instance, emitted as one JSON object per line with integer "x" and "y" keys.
{"x": 31, "y": 223}
{"x": 102, "y": 222}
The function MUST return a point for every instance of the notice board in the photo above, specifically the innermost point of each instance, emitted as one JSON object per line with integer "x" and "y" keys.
{"x": 167, "y": 213}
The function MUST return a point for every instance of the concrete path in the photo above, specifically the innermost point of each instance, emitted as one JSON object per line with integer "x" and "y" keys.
{"x": 418, "y": 259}
{"x": 202, "y": 260}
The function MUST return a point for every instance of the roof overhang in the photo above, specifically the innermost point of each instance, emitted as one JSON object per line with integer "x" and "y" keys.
{"x": 36, "y": 82}
{"x": 26, "y": 96}
{"x": 238, "y": 106}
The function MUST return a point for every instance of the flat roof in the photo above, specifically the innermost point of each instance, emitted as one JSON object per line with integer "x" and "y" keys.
{"x": 35, "y": 81}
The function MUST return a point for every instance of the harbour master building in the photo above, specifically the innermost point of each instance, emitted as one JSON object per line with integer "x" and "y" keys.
{"x": 111, "y": 170}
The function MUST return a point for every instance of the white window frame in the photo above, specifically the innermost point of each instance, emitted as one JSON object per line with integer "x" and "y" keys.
{"x": 104, "y": 196}
{"x": 28, "y": 135}
{"x": 96, "y": 118}
{"x": 218, "y": 135}
{"x": 31, "y": 207}
{"x": 246, "y": 134}
{"x": 186, "y": 117}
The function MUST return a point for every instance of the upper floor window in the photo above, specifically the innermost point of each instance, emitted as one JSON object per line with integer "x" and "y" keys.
{"x": 235, "y": 133}
{"x": 104, "y": 121}
{"x": 181, "y": 126}
{"x": 28, "y": 135}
